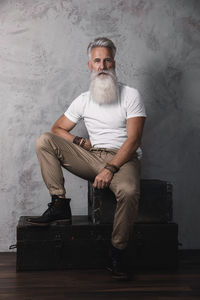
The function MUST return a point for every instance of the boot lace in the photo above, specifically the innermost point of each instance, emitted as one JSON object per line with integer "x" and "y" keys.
{"x": 49, "y": 210}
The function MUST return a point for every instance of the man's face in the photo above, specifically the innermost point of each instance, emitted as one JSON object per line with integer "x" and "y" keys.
{"x": 101, "y": 60}
{"x": 103, "y": 85}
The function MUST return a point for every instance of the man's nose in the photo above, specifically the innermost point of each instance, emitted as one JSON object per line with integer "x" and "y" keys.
{"x": 102, "y": 65}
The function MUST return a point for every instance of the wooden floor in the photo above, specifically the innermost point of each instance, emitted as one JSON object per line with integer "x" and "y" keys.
{"x": 182, "y": 283}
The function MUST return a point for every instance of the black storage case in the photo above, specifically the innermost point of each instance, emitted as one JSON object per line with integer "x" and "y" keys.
{"x": 155, "y": 205}
{"x": 86, "y": 245}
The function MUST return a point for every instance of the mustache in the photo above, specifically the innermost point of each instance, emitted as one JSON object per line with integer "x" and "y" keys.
{"x": 103, "y": 72}
{"x": 110, "y": 72}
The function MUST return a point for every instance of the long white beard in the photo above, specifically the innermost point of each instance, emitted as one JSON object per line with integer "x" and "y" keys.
{"x": 103, "y": 88}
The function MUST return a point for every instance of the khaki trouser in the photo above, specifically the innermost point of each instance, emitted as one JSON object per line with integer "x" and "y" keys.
{"x": 54, "y": 152}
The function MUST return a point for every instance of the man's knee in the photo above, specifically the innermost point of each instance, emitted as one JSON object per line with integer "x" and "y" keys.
{"x": 43, "y": 140}
{"x": 128, "y": 193}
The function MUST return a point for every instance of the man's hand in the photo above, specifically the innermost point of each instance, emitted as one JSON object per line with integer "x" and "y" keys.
{"x": 103, "y": 179}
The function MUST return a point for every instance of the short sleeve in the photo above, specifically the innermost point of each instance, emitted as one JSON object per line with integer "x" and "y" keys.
{"x": 75, "y": 110}
{"x": 135, "y": 106}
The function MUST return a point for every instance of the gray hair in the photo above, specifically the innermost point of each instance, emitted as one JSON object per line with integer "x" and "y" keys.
{"x": 101, "y": 42}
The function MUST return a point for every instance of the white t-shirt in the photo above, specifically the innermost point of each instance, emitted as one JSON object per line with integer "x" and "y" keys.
{"x": 106, "y": 123}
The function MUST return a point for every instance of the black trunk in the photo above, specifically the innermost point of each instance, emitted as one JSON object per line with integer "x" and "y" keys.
{"x": 86, "y": 245}
{"x": 155, "y": 205}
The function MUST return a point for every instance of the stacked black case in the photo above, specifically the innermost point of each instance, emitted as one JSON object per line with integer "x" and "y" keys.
{"x": 85, "y": 243}
{"x": 155, "y": 205}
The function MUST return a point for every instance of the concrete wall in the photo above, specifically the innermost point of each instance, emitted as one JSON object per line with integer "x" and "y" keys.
{"x": 43, "y": 67}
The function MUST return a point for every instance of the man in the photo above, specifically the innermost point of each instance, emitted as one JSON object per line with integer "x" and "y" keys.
{"x": 114, "y": 117}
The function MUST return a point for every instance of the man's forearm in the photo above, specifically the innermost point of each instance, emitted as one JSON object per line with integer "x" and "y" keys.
{"x": 103, "y": 179}
{"x": 63, "y": 133}
{"x": 125, "y": 153}
{"x": 69, "y": 137}
{"x": 129, "y": 147}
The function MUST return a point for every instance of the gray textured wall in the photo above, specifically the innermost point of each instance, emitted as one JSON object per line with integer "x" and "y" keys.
{"x": 43, "y": 66}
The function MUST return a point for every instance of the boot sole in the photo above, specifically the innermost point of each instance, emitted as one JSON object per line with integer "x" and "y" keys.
{"x": 117, "y": 277}
{"x": 124, "y": 277}
{"x": 55, "y": 222}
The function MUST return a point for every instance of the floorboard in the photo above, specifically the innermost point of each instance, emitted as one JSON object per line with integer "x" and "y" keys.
{"x": 182, "y": 283}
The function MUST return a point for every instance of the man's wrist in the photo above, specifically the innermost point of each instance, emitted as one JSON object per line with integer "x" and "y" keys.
{"x": 77, "y": 140}
{"x": 80, "y": 141}
{"x": 112, "y": 168}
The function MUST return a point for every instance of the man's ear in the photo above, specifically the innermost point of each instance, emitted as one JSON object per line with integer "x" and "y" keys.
{"x": 89, "y": 65}
{"x": 114, "y": 64}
